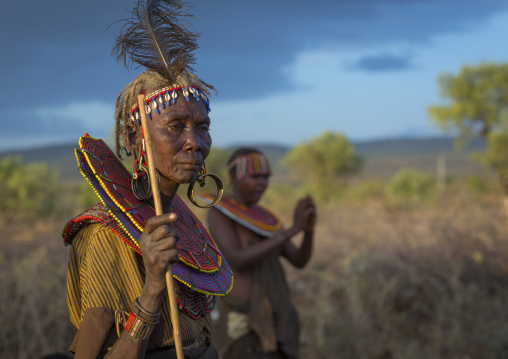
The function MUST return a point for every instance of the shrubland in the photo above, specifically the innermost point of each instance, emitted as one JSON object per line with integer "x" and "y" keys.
{"x": 422, "y": 276}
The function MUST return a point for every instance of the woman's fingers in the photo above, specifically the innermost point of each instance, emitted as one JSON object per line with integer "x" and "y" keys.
{"x": 164, "y": 219}
{"x": 165, "y": 244}
{"x": 158, "y": 254}
{"x": 168, "y": 255}
{"x": 164, "y": 231}
{"x": 158, "y": 242}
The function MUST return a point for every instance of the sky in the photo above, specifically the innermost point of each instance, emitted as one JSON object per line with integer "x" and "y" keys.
{"x": 285, "y": 70}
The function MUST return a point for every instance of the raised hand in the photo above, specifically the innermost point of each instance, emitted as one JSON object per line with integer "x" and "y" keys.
{"x": 311, "y": 215}
{"x": 305, "y": 214}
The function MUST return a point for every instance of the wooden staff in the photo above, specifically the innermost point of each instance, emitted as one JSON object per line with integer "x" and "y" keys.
{"x": 158, "y": 211}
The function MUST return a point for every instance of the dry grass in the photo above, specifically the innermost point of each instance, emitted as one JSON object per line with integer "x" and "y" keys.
{"x": 431, "y": 283}
{"x": 33, "y": 296}
{"x": 382, "y": 283}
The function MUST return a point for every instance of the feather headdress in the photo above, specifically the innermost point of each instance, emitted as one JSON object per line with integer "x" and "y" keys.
{"x": 156, "y": 37}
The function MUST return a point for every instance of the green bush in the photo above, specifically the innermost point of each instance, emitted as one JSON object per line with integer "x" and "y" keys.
{"x": 477, "y": 185}
{"x": 409, "y": 188}
{"x": 323, "y": 159}
{"x": 28, "y": 191}
{"x": 364, "y": 191}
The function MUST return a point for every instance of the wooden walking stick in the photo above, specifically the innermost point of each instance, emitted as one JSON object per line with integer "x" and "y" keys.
{"x": 158, "y": 211}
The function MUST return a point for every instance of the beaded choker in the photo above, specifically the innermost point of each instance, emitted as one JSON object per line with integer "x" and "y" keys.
{"x": 256, "y": 218}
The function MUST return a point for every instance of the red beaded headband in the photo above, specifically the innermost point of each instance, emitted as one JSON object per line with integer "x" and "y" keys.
{"x": 166, "y": 97}
{"x": 253, "y": 163}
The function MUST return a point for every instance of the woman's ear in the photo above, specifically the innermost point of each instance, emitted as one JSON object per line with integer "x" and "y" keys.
{"x": 135, "y": 139}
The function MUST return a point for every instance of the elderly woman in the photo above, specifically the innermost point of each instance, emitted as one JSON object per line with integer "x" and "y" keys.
{"x": 120, "y": 250}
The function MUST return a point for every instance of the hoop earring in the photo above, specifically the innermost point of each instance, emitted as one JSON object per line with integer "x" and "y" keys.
{"x": 201, "y": 181}
{"x": 140, "y": 181}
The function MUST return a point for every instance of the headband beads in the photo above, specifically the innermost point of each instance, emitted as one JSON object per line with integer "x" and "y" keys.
{"x": 253, "y": 163}
{"x": 168, "y": 95}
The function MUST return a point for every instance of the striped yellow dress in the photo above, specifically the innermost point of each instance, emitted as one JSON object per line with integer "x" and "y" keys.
{"x": 105, "y": 276}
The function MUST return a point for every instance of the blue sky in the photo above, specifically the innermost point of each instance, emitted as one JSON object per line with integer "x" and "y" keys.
{"x": 286, "y": 70}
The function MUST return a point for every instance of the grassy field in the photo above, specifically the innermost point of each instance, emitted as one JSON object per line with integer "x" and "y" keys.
{"x": 428, "y": 281}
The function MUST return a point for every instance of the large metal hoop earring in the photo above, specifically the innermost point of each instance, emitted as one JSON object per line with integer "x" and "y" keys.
{"x": 201, "y": 181}
{"x": 140, "y": 184}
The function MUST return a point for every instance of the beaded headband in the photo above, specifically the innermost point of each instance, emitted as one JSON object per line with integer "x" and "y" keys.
{"x": 167, "y": 96}
{"x": 253, "y": 163}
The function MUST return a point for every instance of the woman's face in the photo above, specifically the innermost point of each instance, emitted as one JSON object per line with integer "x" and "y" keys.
{"x": 250, "y": 188}
{"x": 180, "y": 139}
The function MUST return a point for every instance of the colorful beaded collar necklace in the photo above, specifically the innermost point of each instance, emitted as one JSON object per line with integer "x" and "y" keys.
{"x": 201, "y": 269}
{"x": 256, "y": 218}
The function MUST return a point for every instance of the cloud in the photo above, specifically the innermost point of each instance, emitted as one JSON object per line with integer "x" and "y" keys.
{"x": 254, "y": 45}
{"x": 245, "y": 44}
{"x": 383, "y": 63}
{"x": 55, "y": 124}
{"x": 94, "y": 114}
{"x": 57, "y": 55}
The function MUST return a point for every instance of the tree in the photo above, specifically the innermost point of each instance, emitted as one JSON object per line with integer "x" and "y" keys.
{"x": 478, "y": 98}
{"x": 496, "y": 157}
{"x": 478, "y": 107}
{"x": 324, "y": 159}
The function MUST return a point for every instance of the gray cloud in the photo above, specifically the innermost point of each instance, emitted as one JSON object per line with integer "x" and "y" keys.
{"x": 56, "y": 51}
{"x": 383, "y": 62}
{"x": 59, "y": 44}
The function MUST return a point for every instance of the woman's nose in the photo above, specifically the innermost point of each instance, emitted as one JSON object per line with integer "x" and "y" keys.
{"x": 262, "y": 180}
{"x": 192, "y": 141}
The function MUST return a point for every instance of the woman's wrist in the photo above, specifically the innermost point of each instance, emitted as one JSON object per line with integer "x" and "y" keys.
{"x": 141, "y": 322}
{"x": 144, "y": 314}
{"x": 151, "y": 296}
{"x": 292, "y": 231}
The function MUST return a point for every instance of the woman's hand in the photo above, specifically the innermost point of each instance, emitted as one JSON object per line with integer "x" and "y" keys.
{"x": 311, "y": 215}
{"x": 158, "y": 247}
{"x": 305, "y": 214}
{"x": 304, "y": 220}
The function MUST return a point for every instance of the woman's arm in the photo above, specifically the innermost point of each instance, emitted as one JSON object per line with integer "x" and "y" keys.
{"x": 223, "y": 231}
{"x": 299, "y": 257}
{"x": 158, "y": 246}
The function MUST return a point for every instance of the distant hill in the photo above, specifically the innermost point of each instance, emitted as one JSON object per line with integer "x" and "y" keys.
{"x": 60, "y": 158}
{"x": 415, "y": 147}
{"x": 382, "y": 158}
{"x": 385, "y": 157}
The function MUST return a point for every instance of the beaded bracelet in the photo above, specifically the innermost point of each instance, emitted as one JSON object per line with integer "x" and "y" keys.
{"x": 145, "y": 315}
{"x": 137, "y": 328}
{"x": 141, "y": 322}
